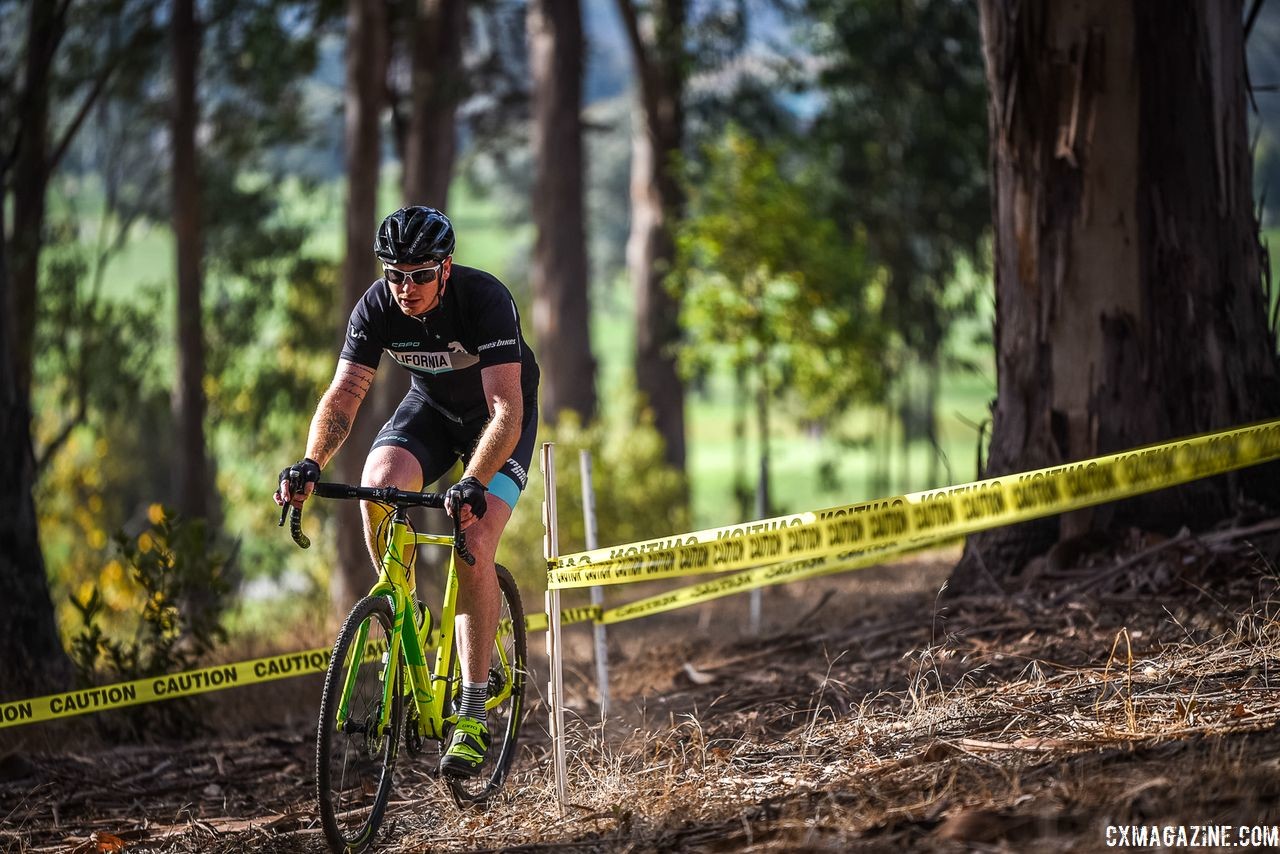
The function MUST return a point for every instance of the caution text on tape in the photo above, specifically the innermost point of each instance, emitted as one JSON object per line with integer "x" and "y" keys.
{"x": 932, "y": 514}
{"x": 215, "y": 678}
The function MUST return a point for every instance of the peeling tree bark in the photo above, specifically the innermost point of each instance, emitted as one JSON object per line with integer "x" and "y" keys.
{"x": 1128, "y": 300}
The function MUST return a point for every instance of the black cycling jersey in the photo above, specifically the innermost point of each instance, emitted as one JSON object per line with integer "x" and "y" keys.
{"x": 475, "y": 325}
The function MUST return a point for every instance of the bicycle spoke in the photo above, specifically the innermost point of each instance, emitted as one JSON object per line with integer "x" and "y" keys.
{"x": 506, "y": 698}
{"x": 357, "y": 735}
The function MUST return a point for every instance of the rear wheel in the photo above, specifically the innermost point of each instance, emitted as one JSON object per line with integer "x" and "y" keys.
{"x": 355, "y": 756}
{"x": 507, "y": 670}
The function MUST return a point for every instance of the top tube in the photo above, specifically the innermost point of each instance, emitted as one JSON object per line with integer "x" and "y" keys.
{"x": 384, "y": 494}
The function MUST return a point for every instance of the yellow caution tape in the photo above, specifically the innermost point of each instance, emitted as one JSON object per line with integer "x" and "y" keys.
{"x": 762, "y": 576}
{"x": 152, "y": 689}
{"x": 779, "y": 550}
{"x": 215, "y": 678}
{"x": 540, "y": 622}
{"x": 933, "y": 514}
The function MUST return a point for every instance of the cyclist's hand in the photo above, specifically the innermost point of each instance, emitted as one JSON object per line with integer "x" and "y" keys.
{"x": 297, "y": 482}
{"x": 465, "y": 501}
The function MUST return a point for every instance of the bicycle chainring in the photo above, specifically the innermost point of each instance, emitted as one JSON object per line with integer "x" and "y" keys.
{"x": 412, "y": 738}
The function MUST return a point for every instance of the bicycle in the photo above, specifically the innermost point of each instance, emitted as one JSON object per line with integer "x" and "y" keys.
{"x": 370, "y": 698}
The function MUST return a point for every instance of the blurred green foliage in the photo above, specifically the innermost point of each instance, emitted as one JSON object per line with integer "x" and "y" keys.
{"x": 812, "y": 291}
{"x": 637, "y": 496}
{"x": 772, "y": 288}
{"x": 155, "y": 609}
{"x": 773, "y": 284}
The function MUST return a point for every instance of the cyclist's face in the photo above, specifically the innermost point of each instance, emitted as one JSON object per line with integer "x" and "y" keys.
{"x": 420, "y": 285}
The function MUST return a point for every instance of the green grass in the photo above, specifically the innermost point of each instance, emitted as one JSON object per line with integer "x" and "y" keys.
{"x": 484, "y": 239}
{"x": 796, "y": 456}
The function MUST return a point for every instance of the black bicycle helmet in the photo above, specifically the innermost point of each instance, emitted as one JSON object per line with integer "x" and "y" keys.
{"x": 414, "y": 235}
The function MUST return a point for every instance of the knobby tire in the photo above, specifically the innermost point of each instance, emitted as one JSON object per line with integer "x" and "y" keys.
{"x": 504, "y": 720}
{"x": 355, "y": 769}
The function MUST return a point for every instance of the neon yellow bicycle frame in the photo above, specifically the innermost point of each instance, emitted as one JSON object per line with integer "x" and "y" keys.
{"x": 428, "y": 688}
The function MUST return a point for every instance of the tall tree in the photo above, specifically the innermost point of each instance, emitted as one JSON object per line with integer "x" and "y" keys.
{"x": 365, "y": 87}
{"x": 661, "y": 60}
{"x": 192, "y": 485}
{"x": 34, "y": 661}
{"x": 62, "y": 67}
{"x": 436, "y": 87}
{"x": 561, "y": 306}
{"x": 1128, "y": 305}
{"x": 30, "y": 177}
{"x": 431, "y": 33}
{"x": 51, "y": 75}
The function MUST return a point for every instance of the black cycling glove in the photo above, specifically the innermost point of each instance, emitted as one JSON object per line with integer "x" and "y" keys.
{"x": 469, "y": 490}
{"x": 301, "y": 473}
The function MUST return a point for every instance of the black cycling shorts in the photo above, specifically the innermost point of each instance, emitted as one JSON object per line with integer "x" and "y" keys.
{"x": 437, "y": 442}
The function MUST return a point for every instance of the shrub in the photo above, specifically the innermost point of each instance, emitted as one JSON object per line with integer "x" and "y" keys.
{"x": 179, "y": 583}
{"x": 637, "y": 496}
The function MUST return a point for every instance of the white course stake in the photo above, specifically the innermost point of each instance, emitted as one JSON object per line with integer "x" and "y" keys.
{"x": 597, "y": 593}
{"x": 757, "y": 594}
{"x": 555, "y": 687}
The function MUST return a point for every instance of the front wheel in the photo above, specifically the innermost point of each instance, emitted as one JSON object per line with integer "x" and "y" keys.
{"x": 508, "y": 668}
{"x": 355, "y": 749}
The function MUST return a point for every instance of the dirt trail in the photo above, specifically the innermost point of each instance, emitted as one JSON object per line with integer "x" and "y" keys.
{"x": 872, "y": 714}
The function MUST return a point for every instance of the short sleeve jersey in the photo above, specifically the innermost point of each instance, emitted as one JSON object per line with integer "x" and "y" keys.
{"x": 475, "y": 325}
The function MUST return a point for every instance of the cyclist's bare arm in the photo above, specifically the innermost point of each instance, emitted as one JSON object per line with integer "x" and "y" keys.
{"x": 337, "y": 410}
{"x": 334, "y": 416}
{"x": 500, "y": 435}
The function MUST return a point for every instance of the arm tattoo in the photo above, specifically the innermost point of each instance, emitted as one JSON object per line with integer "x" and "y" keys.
{"x": 356, "y": 385}
{"x": 334, "y": 426}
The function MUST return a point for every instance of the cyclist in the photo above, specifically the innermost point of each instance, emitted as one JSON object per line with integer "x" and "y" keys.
{"x": 473, "y": 396}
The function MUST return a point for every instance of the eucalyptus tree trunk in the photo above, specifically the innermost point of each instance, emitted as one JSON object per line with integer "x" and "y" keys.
{"x": 192, "y": 484}
{"x": 429, "y": 144}
{"x": 30, "y": 176}
{"x": 1128, "y": 299}
{"x": 34, "y": 661}
{"x": 365, "y": 86}
{"x": 561, "y": 304}
{"x": 430, "y": 149}
{"x": 656, "y": 203}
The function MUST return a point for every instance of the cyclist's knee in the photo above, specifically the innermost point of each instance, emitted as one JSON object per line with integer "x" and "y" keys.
{"x": 390, "y": 466}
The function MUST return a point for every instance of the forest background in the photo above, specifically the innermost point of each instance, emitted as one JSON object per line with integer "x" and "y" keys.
{"x": 824, "y": 283}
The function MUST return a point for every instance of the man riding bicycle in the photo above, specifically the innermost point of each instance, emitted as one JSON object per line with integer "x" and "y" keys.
{"x": 473, "y": 397}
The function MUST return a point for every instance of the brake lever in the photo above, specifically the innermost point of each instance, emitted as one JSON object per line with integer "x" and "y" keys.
{"x": 295, "y": 522}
